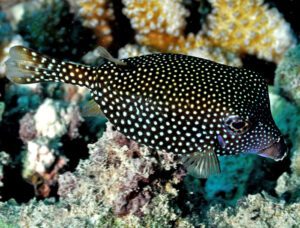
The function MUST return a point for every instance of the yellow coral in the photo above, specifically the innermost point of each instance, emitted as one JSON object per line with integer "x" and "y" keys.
{"x": 160, "y": 24}
{"x": 216, "y": 54}
{"x": 165, "y": 17}
{"x": 245, "y": 26}
{"x": 98, "y": 15}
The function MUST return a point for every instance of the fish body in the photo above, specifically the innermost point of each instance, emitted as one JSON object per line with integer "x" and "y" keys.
{"x": 190, "y": 106}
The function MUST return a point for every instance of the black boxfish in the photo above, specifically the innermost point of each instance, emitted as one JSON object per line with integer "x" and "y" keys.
{"x": 190, "y": 106}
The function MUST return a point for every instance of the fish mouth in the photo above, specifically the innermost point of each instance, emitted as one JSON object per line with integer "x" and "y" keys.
{"x": 277, "y": 150}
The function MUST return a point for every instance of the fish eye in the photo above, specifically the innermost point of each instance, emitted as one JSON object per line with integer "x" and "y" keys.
{"x": 237, "y": 125}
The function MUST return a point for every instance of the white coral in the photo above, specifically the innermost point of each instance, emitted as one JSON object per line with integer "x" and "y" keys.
{"x": 48, "y": 121}
{"x": 38, "y": 158}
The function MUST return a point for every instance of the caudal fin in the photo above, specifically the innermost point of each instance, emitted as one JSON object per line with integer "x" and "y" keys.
{"x": 26, "y": 66}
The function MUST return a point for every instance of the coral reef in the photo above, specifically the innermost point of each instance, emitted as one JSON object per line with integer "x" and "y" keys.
{"x": 42, "y": 159}
{"x": 131, "y": 50}
{"x": 6, "y": 35}
{"x": 97, "y": 15}
{"x": 49, "y": 27}
{"x": 287, "y": 75}
{"x": 2, "y": 108}
{"x": 4, "y": 159}
{"x": 256, "y": 211}
{"x": 217, "y": 54}
{"x": 240, "y": 27}
{"x": 232, "y": 183}
{"x": 78, "y": 172}
{"x": 121, "y": 178}
{"x": 6, "y": 32}
{"x": 249, "y": 27}
{"x": 158, "y": 26}
{"x": 127, "y": 171}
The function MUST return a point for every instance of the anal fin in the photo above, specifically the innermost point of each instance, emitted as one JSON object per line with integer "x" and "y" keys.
{"x": 202, "y": 164}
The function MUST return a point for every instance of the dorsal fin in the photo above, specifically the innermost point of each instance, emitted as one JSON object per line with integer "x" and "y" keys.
{"x": 105, "y": 54}
{"x": 202, "y": 164}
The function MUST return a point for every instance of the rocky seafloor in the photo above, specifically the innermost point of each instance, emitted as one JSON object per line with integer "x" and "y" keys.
{"x": 59, "y": 168}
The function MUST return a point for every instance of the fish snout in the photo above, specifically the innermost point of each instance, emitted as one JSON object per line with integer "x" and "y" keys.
{"x": 277, "y": 151}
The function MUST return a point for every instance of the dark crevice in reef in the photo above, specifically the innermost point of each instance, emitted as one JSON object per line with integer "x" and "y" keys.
{"x": 265, "y": 68}
{"x": 9, "y": 135}
{"x": 198, "y": 11}
{"x": 192, "y": 191}
{"x": 268, "y": 176}
{"x": 75, "y": 150}
{"x": 15, "y": 187}
{"x": 122, "y": 30}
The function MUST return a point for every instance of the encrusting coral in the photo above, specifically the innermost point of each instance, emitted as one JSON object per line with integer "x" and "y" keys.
{"x": 125, "y": 173}
{"x": 248, "y": 27}
{"x": 256, "y": 211}
{"x": 287, "y": 78}
{"x": 97, "y": 15}
{"x": 6, "y": 35}
{"x": 120, "y": 185}
{"x": 49, "y": 26}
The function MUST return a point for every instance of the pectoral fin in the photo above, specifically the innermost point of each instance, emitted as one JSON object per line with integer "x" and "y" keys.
{"x": 202, "y": 164}
{"x": 91, "y": 108}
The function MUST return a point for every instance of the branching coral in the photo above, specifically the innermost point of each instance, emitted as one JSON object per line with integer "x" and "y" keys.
{"x": 241, "y": 27}
{"x": 217, "y": 54}
{"x": 160, "y": 24}
{"x": 98, "y": 16}
{"x": 133, "y": 50}
{"x": 249, "y": 27}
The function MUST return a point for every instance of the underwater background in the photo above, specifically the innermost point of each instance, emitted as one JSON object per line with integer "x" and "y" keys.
{"x": 61, "y": 169}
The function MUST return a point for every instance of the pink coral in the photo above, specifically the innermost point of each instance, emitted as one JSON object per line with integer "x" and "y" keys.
{"x": 27, "y": 129}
